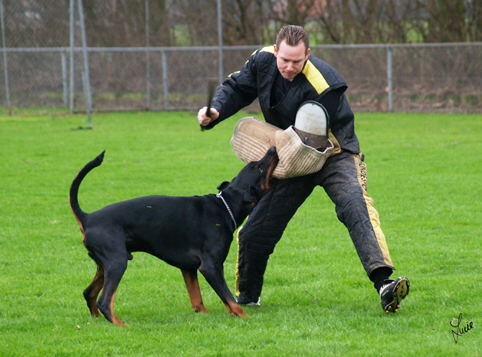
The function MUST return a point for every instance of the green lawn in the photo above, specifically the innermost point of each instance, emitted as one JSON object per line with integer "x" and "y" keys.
{"x": 424, "y": 172}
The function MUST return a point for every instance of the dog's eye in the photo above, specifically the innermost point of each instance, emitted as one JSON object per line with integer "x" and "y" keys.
{"x": 259, "y": 168}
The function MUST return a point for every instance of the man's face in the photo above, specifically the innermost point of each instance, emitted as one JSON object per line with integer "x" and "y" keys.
{"x": 290, "y": 59}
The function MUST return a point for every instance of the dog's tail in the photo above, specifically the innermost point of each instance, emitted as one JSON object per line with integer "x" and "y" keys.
{"x": 74, "y": 189}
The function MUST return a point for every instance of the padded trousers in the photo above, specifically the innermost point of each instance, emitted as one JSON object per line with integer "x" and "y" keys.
{"x": 343, "y": 178}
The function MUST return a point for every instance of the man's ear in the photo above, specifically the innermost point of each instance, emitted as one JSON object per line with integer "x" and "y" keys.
{"x": 223, "y": 185}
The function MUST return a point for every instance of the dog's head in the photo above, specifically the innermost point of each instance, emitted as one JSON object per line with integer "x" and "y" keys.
{"x": 253, "y": 181}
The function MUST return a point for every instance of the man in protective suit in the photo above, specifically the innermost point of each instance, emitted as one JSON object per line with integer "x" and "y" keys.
{"x": 284, "y": 77}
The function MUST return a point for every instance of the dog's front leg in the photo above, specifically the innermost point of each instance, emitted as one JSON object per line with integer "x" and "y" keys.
{"x": 192, "y": 284}
{"x": 215, "y": 278}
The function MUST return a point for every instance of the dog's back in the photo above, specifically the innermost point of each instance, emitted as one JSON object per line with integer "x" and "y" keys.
{"x": 174, "y": 229}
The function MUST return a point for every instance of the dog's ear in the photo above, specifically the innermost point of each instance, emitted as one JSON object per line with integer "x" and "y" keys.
{"x": 251, "y": 196}
{"x": 223, "y": 185}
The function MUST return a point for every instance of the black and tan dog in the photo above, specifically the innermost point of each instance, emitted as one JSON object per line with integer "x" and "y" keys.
{"x": 191, "y": 233}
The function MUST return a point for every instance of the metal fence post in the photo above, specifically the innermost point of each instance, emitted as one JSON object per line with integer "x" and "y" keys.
{"x": 88, "y": 99}
{"x": 220, "y": 40}
{"x": 5, "y": 66}
{"x": 148, "y": 63}
{"x": 72, "y": 44}
{"x": 389, "y": 78}
{"x": 165, "y": 79}
{"x": 63, "y": 60}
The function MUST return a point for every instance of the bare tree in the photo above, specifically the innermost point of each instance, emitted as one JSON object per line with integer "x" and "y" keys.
{"x": 474, "y": 19}
{"x": 350, "y": 21}
{"x": 115, "y": 23}
{"x": 295, "y": 12}
{"x": 445, "y": 21}
{"x": 244, "y": 21}
{"x": 195, "y": 22}
{"x": 36, "y": 23}
{"x": 366, "y": 21}
{"x": 30, "y": 24}
{"x": 159, "y": 26}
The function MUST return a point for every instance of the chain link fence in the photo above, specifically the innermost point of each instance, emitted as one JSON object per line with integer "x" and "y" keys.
{"x": 39, "y": 71}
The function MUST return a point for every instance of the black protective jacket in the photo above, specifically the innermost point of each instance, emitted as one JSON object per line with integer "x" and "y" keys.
{"x": 318, "y": 81}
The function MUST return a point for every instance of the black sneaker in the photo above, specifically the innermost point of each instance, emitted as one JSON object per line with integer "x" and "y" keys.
{"x": 249, "y": 303}
{"x": 393, "y": 292}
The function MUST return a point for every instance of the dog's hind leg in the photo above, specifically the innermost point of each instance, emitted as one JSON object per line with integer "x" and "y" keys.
{"x": 113, "y": 272}
{"x": 92, "y": 291}
{"x": 192, "y": 284}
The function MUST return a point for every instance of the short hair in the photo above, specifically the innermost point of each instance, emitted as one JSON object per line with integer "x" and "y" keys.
{"x": 293, "y": 35}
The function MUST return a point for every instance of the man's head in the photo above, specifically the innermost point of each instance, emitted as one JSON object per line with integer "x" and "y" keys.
{"x": 291, "y": 50}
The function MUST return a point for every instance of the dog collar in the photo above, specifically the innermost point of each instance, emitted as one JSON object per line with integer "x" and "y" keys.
{"x": 220, "y": 195}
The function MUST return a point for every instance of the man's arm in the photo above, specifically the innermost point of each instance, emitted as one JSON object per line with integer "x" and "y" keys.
{"x": 237, "y": 91}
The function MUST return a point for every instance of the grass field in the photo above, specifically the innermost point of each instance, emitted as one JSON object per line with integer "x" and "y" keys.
{"x": 424, "y": 173}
